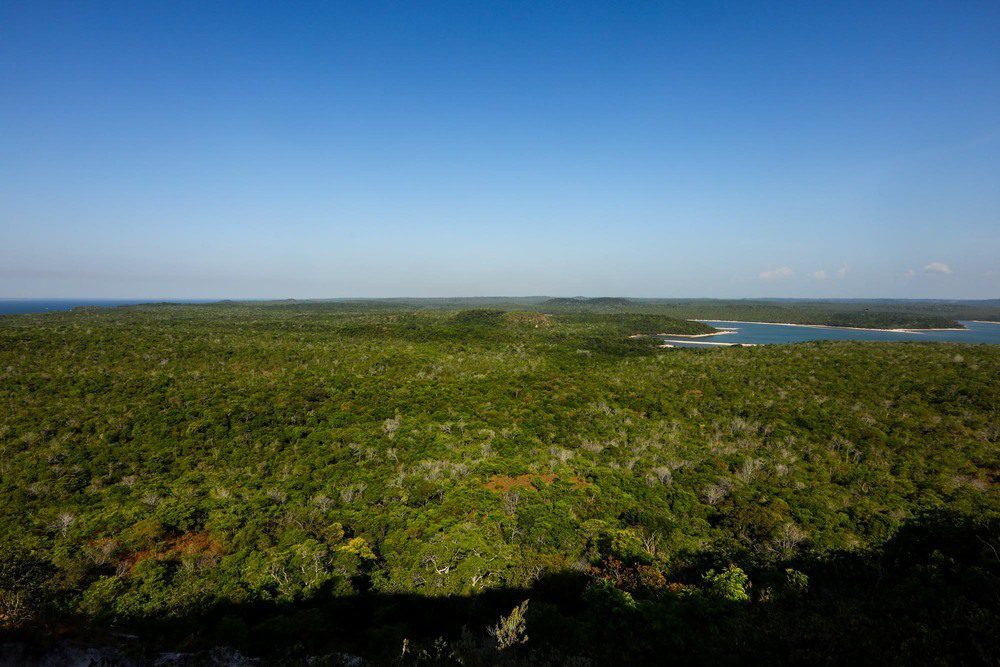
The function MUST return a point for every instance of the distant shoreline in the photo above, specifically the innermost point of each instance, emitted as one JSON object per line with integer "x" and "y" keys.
{"x": 832, "y": 326}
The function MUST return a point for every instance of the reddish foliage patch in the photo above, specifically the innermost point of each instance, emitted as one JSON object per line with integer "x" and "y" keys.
{"x": 191, "y": 544}
{"x": 504, "y": 483}
{"x": 634, "y": 578}
{"x": 188, "y": 544}
{"x": 530, "y": 319}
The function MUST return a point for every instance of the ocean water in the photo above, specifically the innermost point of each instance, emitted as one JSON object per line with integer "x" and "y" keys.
{"x": 767, "y": 334}
{"x": 16, "y": 306}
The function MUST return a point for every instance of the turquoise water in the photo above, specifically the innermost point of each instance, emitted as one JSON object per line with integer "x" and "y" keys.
{"x": 766, "y": 334}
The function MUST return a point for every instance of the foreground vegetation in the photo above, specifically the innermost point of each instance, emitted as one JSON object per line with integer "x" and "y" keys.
{"x": 324, "y": 478}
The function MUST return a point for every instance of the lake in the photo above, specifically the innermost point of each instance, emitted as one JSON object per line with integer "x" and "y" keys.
{"x": 765, "y": 334}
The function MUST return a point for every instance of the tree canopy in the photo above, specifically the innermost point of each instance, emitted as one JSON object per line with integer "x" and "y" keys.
{"x": 307, "y": 480}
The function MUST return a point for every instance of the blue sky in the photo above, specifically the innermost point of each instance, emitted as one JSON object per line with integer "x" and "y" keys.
{"x": 201, "y": 149}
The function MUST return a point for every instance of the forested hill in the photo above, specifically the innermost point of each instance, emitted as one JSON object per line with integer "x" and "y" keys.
{"x": 300, "y": 481}
{"x": 611, "y": 326}
{"x": 878, "y": 313}
{"x": 597, "y": 302}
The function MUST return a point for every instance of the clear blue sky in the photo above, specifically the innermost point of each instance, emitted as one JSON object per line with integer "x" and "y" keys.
{"x": 289, "y": 149}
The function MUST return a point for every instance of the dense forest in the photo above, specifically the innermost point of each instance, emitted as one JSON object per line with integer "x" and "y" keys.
{"x": 875, "y": 314}
{"x": 504, "y": 483}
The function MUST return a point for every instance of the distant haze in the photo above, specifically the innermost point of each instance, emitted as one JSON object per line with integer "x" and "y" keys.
{"x": 372, "y": 149}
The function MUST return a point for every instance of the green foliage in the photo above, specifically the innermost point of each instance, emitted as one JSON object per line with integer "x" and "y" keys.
{"x": 628, "y": 324}
{"x": 25, "y": 585}
{"x": 626, "y": 544}
{"x": 266, "y": 474}
{"x": 796, "y": 582}
{"x": 510, "y": 630}
{"x": 605, "y": 597}
{"x": 731, "y": 584}
{"x": 480, "y": 316}
{"x": 881, "y": 313}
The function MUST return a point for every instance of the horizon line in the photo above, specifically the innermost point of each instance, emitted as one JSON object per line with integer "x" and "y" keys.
{"x": 486, "y": 296}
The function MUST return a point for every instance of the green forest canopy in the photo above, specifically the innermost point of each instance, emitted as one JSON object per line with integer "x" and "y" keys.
{"x": 299, "y": 477}
{"x": 876, "y": 313}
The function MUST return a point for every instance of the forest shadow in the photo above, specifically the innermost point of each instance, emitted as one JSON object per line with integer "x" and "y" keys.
{"x": 930, "y": 594}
